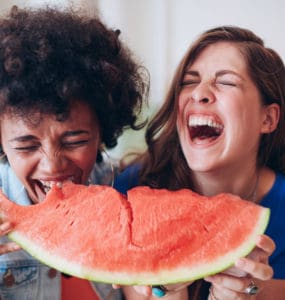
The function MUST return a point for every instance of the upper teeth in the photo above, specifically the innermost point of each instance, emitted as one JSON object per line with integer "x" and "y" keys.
{"x": 204, "y": 121}
{"x": 47, "y": 185}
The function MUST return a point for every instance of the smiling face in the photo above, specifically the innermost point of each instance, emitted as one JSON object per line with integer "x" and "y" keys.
{"x": 221, "y": 116}
{"x": 48, "y": 151}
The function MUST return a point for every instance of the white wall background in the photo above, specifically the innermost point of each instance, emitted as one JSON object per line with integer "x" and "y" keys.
{"x": 160, "y": 31}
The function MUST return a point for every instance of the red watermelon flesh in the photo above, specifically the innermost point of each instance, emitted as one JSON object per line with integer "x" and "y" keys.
{"x": 151, "y": 237}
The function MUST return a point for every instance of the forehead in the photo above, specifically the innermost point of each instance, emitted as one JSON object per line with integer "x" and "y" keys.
{"x": 220, "y": 55}
{"x": 40, "y": 124}
{"x": 79, "y": 111}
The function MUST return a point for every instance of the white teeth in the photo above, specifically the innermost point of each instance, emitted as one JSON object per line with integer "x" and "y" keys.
{"x": 46, "y": 189}
{"x": 203, "y": 121}
{"x": 47, "y": 185}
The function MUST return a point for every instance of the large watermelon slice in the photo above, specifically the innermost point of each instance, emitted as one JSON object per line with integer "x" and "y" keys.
{"x": 150, "y": 237}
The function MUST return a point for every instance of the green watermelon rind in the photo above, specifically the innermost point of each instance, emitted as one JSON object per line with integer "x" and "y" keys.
{"x": 166, "y": 276}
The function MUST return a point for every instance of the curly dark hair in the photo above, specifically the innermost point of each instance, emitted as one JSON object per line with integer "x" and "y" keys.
{"x": 49, "y": 58}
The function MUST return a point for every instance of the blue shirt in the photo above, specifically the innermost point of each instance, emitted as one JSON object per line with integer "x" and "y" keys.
{"x": 275, "y": 200}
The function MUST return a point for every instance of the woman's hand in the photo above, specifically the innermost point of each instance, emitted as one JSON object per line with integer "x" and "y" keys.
{"x": 232, "y": 283}
{"x": 174, "y": 291}
{"x": 8, "y": 247}
{"x": 160, "y": 291}
{"x": 252, "y": 270}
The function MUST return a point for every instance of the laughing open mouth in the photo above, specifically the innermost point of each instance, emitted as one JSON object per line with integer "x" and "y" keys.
{"x": 204, "y": 128}
{"x": 47, "y": 185}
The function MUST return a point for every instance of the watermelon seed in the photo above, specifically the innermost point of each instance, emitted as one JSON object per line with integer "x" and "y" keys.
{"x": 67, "y": 212}
{"x": 206, "y": 229}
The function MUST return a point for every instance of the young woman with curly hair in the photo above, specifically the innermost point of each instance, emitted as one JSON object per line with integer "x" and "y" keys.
{"x": 68, "y": 88}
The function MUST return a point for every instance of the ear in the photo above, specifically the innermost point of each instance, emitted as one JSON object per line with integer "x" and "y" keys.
{"x": 271, "y": 118}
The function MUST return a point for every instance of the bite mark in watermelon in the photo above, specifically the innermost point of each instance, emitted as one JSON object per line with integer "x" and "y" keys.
{"x": 153, "y": 236}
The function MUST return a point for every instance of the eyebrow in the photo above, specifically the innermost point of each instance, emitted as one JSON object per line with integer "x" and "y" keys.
{"x": 25, "y": 138}
{"x": 225, "y": 72}
{"x": 75, "y": 132}
{"x": 217, "y": 74}
{"x": 190, "y": 72}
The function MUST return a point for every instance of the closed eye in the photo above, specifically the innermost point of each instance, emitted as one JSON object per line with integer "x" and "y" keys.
{"x": 26, "y": 149}
{"x": 189, "y": 82}
{"x": 75, "y": 144}
{"x": 227, "y": 83}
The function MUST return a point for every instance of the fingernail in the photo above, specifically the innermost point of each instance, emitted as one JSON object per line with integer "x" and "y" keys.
{"x": 115, "y": 286}
{"x": 241, "y": 262}
{"x": 143, "y": 290}
{"x": 4, "y": 227}
{"x": 16, "y": 247}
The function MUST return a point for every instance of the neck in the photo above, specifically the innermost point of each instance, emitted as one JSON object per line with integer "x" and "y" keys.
{"x": 244, "y": 184}
{"x": 252, "y": 196}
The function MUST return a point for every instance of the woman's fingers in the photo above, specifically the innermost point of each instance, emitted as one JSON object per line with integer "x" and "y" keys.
{"x": 220, "y": 293}
{"x": 140, "y": 289}
{"x": 5, "y": 228}
{"x": 228, "y": 287}
{"x": 231, "y": 283}
{"x": 248, "y": 272}
{"x": 148, "y": 290}
{"x": 143, "y": 289}
{"x": 265, "y": 243}
{"x": 116, "y": 286}
{"x": 256, "y": 263}
{"x": 256, "y": 269}
{"x": 9, "y": 247}
{"x": 264, "y": 248}
{"x": 236, "y": 272}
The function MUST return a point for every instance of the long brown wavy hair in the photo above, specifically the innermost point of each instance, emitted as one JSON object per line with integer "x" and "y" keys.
{"x": 164, "y": 165}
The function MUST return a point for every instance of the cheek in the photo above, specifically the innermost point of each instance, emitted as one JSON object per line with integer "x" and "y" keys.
{"x": 181, "y": 113}
{"x": 22, "y": 167}
{"x": 87, "y": 158}
{"x": 87, "y": 162}
{"x": 183, "y": 99}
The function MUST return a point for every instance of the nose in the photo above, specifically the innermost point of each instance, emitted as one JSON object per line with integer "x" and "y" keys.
{"x": 52, "y": 163}
{"x": 202, "y": 94}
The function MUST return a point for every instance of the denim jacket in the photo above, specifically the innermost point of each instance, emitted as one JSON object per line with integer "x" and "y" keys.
{"x": 21, "y": 276}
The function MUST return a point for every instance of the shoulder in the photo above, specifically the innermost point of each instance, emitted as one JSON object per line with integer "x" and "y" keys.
{"x": 276, "y": 195}
{"x": 4, "y": 171}
{"x": 280, "y": 181}
{"x": 8, "y": 180}
{"x": 127, "y": 179}
{"x": 275, "y": 200}
{"x": 11, "y": 186}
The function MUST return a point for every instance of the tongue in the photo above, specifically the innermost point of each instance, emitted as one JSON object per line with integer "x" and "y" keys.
{"x": 203, "y": 134}
{"x": 40, "y": 193}
{"x": 201, "y": 140}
